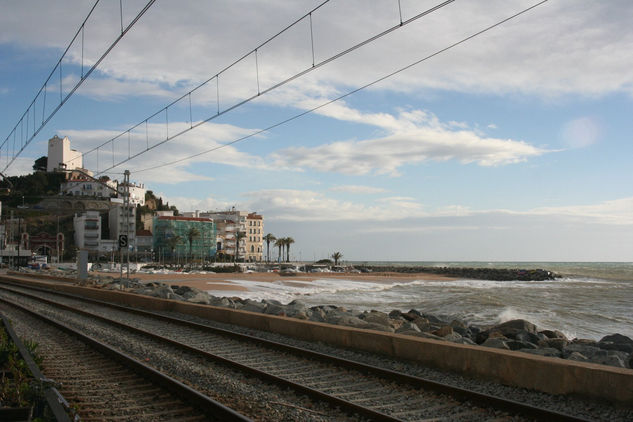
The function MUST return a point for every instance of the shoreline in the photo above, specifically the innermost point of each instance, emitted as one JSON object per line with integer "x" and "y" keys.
{"x": 219, "y": 282}
{"x": 223, "y": 290}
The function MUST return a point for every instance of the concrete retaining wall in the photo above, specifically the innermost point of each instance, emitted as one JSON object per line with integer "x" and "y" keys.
{"x": 551, "y": 375}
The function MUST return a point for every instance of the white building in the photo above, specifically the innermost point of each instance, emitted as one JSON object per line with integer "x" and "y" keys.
{"x": 137, "y": 193}
{"x": 229, "y": 223}
{"x": 60, "y": 155}
{"x": 117, "y": 222}
{"x": 81, "y": 185}
{"x": 88, "y": 230}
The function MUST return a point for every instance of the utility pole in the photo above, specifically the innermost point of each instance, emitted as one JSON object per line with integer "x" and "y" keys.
{"x": 126, "y": 207}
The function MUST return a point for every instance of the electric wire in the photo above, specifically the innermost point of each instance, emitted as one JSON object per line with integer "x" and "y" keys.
{"x": 347, "y": 94}
{"x": 63, "y": 100}
{"x": 277, "y": 85}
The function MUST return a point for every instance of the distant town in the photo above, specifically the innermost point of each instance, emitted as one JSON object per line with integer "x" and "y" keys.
{"x": 62, "y": 208}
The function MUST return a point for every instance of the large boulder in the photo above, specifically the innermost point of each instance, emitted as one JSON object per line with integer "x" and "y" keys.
{"x": 423, "y": 324}
{"x": 201, "y": 297}
{"x": 497, "y": 343}
{"x": 553, "y": 334}
{"x": 616, "y": 342}
{"x": 584, "y": 349}
{"x": 545, "y": 351}
{"x": 350, "y": 321}
{"x": 407, "y": 327}
{"x": 516, "y": 329}
{"x": 459, "y": 327}
{"x": 164, "y": 292}
{"x": 611, "y": 358}
{"x": 376, "y": 317}
{"x": 273, "y": 309}
{"x": 253, "y": 306}
{"x": 223, "y": 302}
{"x": 556, "y": 343}
{"x": 444, "y": 331}
{"x": 520, "y": 345}
{"x": 297, "y": 309}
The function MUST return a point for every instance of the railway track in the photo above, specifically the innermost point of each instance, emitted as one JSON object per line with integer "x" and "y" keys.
{"x": 371, "y": 392}
{"x": 101, "y": 383}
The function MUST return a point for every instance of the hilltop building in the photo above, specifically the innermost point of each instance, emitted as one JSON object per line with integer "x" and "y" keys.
{"x": 61, "y": 156}
{"x": 83, "y": 184}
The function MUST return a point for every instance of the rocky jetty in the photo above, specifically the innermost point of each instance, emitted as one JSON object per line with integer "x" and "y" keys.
{"x": 498, "y": 274}
{"x": 519, "y": 335}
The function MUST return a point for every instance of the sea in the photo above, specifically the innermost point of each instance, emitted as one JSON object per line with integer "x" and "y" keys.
{"x": 589, "y": 300}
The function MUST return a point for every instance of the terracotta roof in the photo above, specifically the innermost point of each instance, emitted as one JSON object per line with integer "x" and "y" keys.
{"x": 254, "y": 216}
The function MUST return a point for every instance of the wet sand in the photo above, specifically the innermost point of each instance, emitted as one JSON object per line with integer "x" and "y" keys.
{"x": 222, "y": 281}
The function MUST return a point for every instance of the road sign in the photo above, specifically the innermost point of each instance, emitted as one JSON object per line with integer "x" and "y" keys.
{"x": 123, "y": 241}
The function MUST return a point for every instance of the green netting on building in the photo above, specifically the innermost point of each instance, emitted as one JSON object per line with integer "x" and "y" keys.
{"x": 173, "y": 234}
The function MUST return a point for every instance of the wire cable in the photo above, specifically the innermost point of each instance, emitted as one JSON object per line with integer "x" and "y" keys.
{"x": 277, "y": 85}
{"x": 63, "y": 100}
{"x": 349, "y": 93}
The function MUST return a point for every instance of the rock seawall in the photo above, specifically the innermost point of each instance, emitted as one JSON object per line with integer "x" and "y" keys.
{"x": 497, "y": 274}
{"x": 518, "y": 335}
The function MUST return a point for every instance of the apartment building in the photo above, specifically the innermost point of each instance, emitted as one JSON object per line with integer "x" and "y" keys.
{"x": 137, "y": 192}
{"x": 250, "y": 225}
{"x": 119, "y": 224}
{"x": 171, "y": 235}
{"x": 87, "y": 230}
{"x": 254, "y": 238}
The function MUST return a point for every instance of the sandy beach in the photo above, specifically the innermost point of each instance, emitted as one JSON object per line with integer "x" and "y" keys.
{"x": 226, "y": 281}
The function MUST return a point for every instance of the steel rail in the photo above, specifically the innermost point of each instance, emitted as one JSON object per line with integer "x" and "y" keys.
{"x": 352, "y": 407}
{"x": 456, "y": 392}
{"x": 203, "y": 402}
{"x": 56, "y": 402}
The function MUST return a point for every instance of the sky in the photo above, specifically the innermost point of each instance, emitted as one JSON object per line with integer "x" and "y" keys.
{"x": 515, "y": 145}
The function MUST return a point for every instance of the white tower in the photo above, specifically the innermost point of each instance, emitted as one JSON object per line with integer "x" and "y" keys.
{"x": 59, "y": 153}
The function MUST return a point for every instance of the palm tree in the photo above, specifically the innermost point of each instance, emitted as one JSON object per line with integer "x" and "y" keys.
{"x": 238, "y": 238}
{"x": 280, "y": 243}
{"x": 269, "y": 238}
{"x": 173, "y": 242}
{"x": 192, "y": 233}
{"x": 336, "y": 256}
{"x": 289, "y": 241}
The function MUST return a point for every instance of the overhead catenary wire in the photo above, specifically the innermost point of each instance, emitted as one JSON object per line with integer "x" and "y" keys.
{"x": 62, "y": 100}
{"x": 265, "y": 91}
{"x": 347, "y": 94}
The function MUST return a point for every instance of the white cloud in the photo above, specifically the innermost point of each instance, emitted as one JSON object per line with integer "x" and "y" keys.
{"x": 617, "y": 211}
{"x": 21, "y": 166}
{"x": 556, "y": 49}
{"x": 415, "y": 136}
{"x": 303, "y": 205}
{"x": 197, "y": 141}
{"x": 357, "y": 189}
{"x": 187, "y": 204}
{"x": 312, "y": 206}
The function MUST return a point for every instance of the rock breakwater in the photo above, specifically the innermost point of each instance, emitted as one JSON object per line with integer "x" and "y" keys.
{"x": 497, "y": 274}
